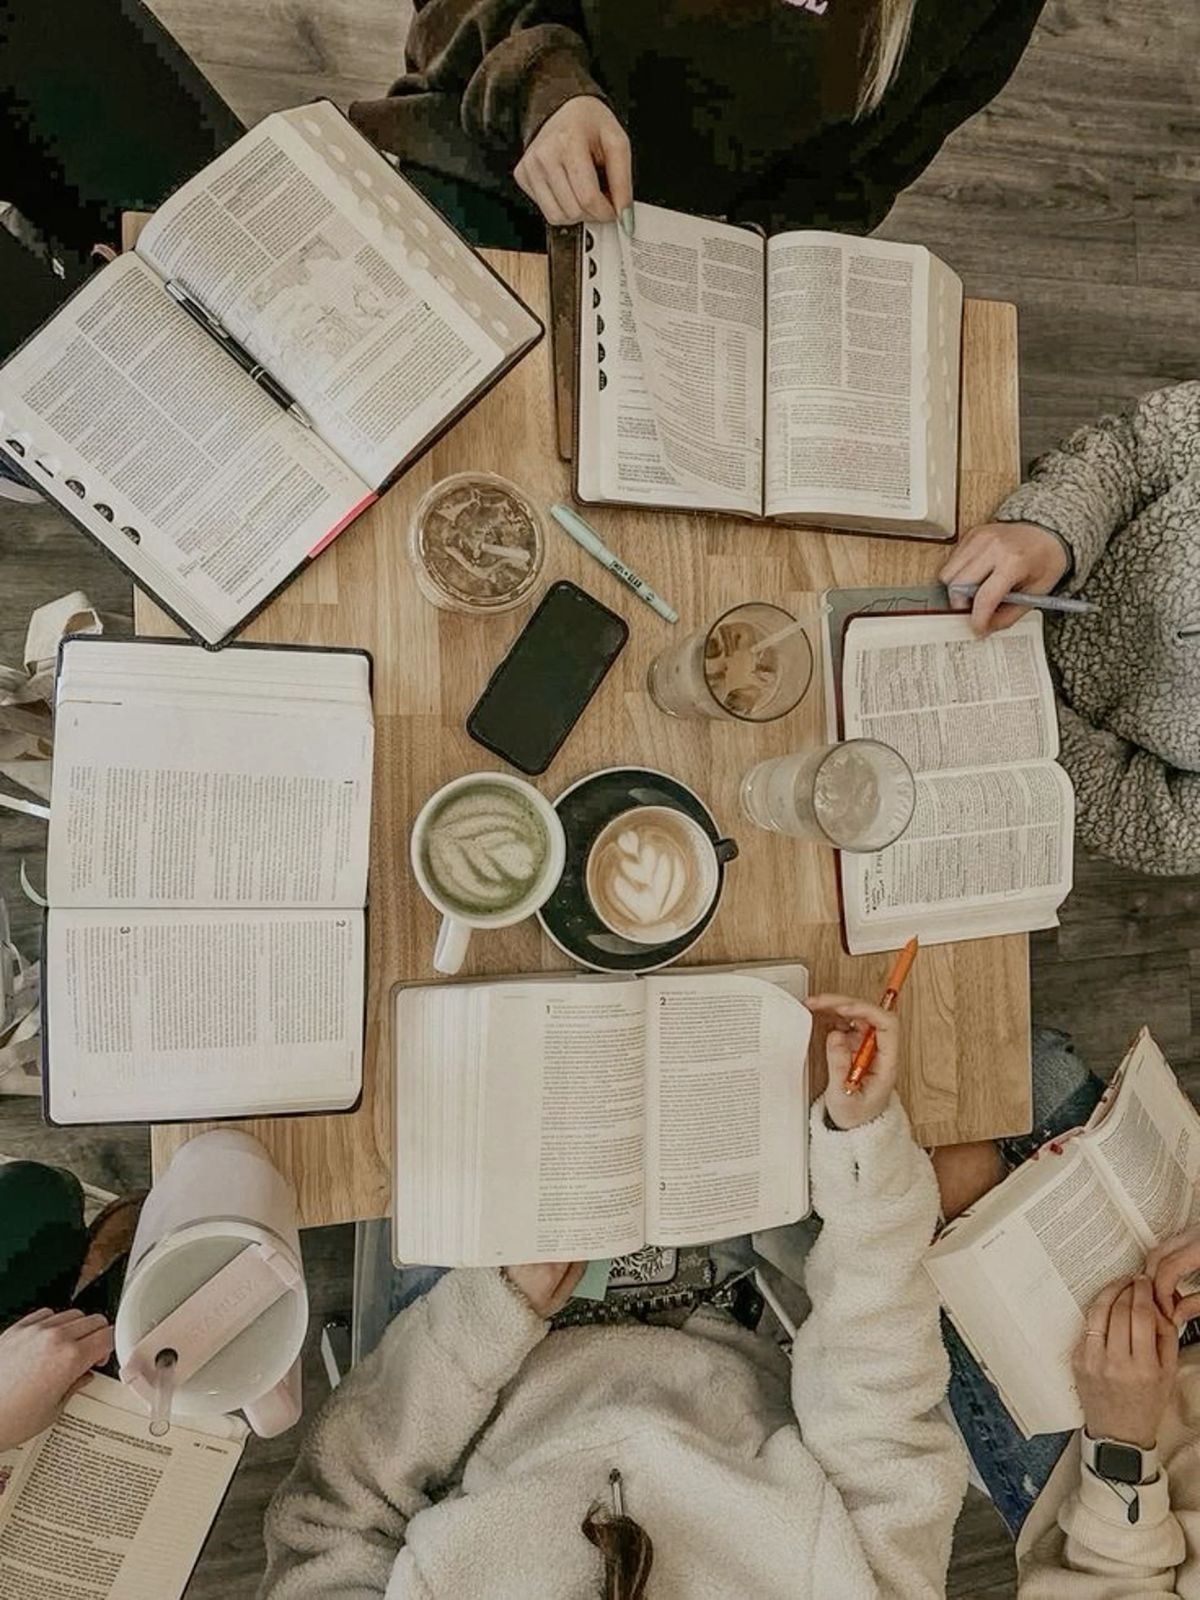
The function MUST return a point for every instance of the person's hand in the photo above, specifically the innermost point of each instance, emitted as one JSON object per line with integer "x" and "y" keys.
{"x": 1125, "y": 1364}
{"x": 560, "y": 170}
{"x": 1168, "y": 1267}
{"x": 1001, "y": 556}
{"x": 849, "y": 1020}
{"x": 42, "y": 1358}
{"x": 547, "y": 1285}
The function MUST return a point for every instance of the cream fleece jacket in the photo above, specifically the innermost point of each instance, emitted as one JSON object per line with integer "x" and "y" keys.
{"x": 1078, "y": 1543}
{"x": 460, "y": 1459}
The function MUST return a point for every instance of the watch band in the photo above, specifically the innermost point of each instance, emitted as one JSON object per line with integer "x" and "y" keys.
{"x": 1118, "y": 1462}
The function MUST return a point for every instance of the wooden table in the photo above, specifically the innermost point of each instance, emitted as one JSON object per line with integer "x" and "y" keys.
{"x": 966, "y": 1009}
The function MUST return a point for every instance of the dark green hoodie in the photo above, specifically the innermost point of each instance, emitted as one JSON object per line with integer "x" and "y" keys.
{"x": 735, "y": 108}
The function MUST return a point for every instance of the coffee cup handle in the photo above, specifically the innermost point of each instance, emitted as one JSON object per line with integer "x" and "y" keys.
{"x": 726, "y": 850}
{"x": 450, "y": 951}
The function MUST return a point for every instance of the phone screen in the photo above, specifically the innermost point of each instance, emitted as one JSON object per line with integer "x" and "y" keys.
{"x": 556, "y": 664}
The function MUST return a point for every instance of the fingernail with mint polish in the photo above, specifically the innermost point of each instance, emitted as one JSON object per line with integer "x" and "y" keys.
{"x": 627, "y": 220}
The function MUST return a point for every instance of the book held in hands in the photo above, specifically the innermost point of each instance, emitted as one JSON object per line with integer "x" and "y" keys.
{"x": 353, "y": 293}
{"x": 807, "y": 378}
{"x": 990, "y": 847}
{"x": 206, "y": 878}
{"x": 97, "y": 1507}
{"x": 553, "y": 1119}
{"x": 1018, "y": 1271}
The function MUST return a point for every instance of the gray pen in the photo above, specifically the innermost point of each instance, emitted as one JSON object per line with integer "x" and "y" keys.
{"x": 1036, "y": 602}
{"x": 240, "y": 354}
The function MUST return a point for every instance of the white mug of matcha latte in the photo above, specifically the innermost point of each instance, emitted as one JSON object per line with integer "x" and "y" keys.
{"x": 487, "y": 850}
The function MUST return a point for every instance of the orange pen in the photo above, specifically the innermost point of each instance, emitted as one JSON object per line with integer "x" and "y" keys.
{"x": 865, "y": 1053}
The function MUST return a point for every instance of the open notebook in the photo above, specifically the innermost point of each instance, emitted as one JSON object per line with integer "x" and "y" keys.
{"x": 206, "y": 877}
{"x": 96, "y": 1508}
{"x": 589, "y": 1116}
{"x": 808, "y": 377}
{"x": 343, "y": 282}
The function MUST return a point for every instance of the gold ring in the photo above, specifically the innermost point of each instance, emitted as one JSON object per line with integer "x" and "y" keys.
{"x": 1093, "y": 1333}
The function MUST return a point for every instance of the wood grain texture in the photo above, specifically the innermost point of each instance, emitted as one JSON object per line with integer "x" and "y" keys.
{"x": 967, "y": 1005}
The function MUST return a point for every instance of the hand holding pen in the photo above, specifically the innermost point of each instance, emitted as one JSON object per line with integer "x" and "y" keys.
{"x": 1003, "y": 567}
{"x": 851, "y": 1022}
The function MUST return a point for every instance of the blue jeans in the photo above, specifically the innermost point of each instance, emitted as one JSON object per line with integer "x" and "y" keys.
{"x": 1015, "y": 1469}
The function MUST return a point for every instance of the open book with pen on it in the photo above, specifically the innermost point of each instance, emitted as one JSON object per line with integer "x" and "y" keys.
{"x": 990, "y": 848}
{"x": 1018, "y": 1271}
{"x": 353, "y": 293}
{"x": 808, "y": 377}
{"x": 589, "y": 1116}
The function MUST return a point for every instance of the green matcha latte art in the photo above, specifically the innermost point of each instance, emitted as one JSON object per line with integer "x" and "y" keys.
{"x": 485, "y": 849}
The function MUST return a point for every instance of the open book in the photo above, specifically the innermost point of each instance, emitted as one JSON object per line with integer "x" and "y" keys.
{"x": 1018, "y": 1271}
{"x": 990, "y": 846}
{"x": 96, "y": 1508}
{"x": 551, "y": 1119}
{"x": 206, "y": 877}
{"x": 808, "y": 377}
{"x": 333, "y": 273}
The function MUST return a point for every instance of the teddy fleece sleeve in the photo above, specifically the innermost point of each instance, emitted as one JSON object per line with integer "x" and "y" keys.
{"x": 1129, "y": 804}
{"x": 1104, "y": 476}
{"x": 510, "y": 64}
{"x": 396, "y": 1427}
{"x": 1095, "y": 1553}
{"x": 869, "y": 1367}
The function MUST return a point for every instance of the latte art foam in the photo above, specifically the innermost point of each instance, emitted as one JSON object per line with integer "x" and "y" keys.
{"x": 485, "y": 849}
{"x": 648, "y": 878}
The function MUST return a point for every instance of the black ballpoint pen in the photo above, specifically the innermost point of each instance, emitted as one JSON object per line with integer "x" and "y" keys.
{"x": 240, "y": 354}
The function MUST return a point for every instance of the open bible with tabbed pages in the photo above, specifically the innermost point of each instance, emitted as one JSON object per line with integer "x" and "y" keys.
{"x": 552, "y": 1118}
{"x": 990, "y": 847}
{"x": 336, "y": 276}
{"x": 97, "y": 1508}
{"x": 1018, "y": 1271}
{"x": 206, "y": 879}
{"x": 806, "y": 378}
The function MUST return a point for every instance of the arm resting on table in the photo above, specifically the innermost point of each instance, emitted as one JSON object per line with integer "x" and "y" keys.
{"x": 1102, "y": 477}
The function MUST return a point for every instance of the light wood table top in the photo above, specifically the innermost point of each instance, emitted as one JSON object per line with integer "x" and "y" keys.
{"x": 965, "y": 1012}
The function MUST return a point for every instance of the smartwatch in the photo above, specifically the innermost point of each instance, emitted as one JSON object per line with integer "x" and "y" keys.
{"x": 1118, "y": 1463}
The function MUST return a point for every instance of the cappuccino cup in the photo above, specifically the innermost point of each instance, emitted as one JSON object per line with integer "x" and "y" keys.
{"x": 488, "y": 851}
{"x": 653, "y": 874}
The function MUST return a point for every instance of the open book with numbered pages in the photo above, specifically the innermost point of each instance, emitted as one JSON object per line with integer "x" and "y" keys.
{"x": 1018, "y": 1271}
{"x": 809, "y": 377}
{"x": 589, "y": 1116}
{"x": 990, "y": 848}
{"x": 336, "y": 275}
{"x": 206, "y": 879}
{"x": 97, "y": 1507}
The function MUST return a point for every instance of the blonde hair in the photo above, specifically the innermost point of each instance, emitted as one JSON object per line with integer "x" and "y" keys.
{"x": 883, "y": 50}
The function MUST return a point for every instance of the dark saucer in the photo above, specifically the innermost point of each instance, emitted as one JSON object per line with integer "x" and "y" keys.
{"x": 585, "y": 808}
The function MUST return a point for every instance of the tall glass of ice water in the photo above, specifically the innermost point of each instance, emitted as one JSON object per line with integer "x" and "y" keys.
{"x": 858, "y": 795}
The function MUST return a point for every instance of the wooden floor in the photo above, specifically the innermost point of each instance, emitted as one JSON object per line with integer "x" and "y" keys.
{"x": 1077, "y": 195}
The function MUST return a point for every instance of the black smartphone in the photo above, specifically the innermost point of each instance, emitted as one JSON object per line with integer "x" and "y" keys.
{"x": 537, "y": 693}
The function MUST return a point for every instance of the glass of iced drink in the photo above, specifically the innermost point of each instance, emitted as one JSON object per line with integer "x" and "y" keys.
{"x": 477, "y": 544}
{"x": 753, "y": 664}
{"x": 858, "y": 795}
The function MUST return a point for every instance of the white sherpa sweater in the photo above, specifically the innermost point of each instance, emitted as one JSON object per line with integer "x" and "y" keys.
{"x": 1078, "y": 1543}
{"x": 460, "y": 1459}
